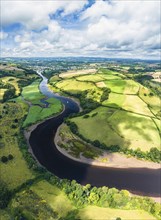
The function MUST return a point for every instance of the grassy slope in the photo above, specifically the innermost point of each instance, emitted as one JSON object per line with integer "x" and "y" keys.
{"x": 119, "y": 127}
{"x": 32, "y": 94}
{"x": 104, "y": 132}
{"x": 94, "y": 212}
{"x": 37, "y": 113}
{"x": 73, "y": 86}
{"x": 13, "y": 81}
{"x": 53, "y": 196}
{"x": 14, "y": 172}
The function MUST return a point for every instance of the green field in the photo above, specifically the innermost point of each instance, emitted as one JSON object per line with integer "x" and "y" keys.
{"x": 37, "y": 113}
{"x": 54, "y": 197}
{"x": 32, "y": 94}
{"x": 90, "y": 78}
{"x": 152, "y": 101}
{"x": 115, "y": 100}
{"x": 73, "y": 86}
{"x": 122, "y": 86}
{"x": 89, "y": 128}
{"x": 117, "y": 127}
{"x": 13, "y": 81}
{"x": 14, "y": 172}
{"x": 95, "y": 213}
{"x": 52, "y": 203}
{"x": 2, "y": 91}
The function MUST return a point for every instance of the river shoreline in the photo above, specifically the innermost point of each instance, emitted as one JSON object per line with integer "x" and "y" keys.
{"x": 141, "y": 181}
{"x": 114, "y": 160}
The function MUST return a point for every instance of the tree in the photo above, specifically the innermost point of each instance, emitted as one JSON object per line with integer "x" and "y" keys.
{"x": 4, "y": 159}
{"x": 5, "y": 195}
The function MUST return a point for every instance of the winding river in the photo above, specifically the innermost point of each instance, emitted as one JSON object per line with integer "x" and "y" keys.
{"x": 141, "y": 181}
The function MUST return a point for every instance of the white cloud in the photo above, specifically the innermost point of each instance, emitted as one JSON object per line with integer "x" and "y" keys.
{"x": 119, "y": 28}
{"x": 35, "y": 14}
{"x": 3, "y": 35}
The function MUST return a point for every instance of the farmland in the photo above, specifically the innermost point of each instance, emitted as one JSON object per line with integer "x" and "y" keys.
{"x": 128, "y": 117}
{"x": 109, "y": 117}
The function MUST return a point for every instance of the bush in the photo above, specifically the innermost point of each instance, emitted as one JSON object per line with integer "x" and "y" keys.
{"x": 4, "y": 159}
{"x": 5, "y": 195}
{"x": 10, "y": 157}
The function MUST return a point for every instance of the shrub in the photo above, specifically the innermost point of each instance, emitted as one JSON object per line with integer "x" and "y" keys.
{"x": 5, "y": 195}
{"x": 4, "y": 159}
{"x": 10, "y": 157}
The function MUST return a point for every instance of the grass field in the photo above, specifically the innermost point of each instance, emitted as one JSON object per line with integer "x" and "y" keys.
{"x": 2, "y": 91}
{"x": 74, "y": 145}
{"x": 122, "y": 86}
{"x": 92, "y": 78}
{"x": 132, "y": 130}
{"x": 32, "y": 94}
{"x": 73, "y": 86}
{"x": 138, "y": 131}
{"x": 115, "y": 100}
{"x": 54, "y": 197}
{"x": 37, "y": 113}
{"x": 72, "y": 73}
{"x": 14, "y": 172}
{"x": 152, "y": 101}
{"x": 98, "y": 128}
{"x": 13, "y": 81}
{"x": 119, "y": 127}
{"x": 135, "y": 104}
{"x": 116, "y": 85}
{"x": 132, "y": 87}
{"x": 97, "y": 213}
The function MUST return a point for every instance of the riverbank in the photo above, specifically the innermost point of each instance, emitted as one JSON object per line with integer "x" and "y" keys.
{"x": 114, "y": 160}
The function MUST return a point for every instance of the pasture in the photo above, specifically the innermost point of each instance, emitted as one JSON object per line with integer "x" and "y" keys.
{"x": 90, "y": 78}
{"x": 95, "y": 213}
{"x": 98, "y": 128}
{"x": 32, "y": 93}
{"x": 117, "y": 127}
{"x": 54, "y": 197}
{"x": 73, "y": 86}
{"x": 152, "y": 101}
{"x": 72, "y": 73}
{"x": 37, "y": 113}
{"x": 14, "y": 172}
{"x": 13, "y": 81}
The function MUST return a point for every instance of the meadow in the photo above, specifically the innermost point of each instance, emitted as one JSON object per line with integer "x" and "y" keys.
{"x": 38, "y": 113}
{"x": 32, "y": 93}
{"x": 33, "y": 192}
{"x": 15, "y": 171}
{"x": 134, "y": 121}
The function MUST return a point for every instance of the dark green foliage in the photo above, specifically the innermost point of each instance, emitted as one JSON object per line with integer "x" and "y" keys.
{"x": 105, "y": 94}
{"x": 10, "y": 157}
{"x": 4, "y": 159}
{"x": 5, "y": 195}
{"x": 9, "y": 93}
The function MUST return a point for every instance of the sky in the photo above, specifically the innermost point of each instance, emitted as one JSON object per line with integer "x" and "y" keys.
{"x": 101, "y": 28}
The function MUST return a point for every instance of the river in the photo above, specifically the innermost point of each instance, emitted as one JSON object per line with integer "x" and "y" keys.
{"x": 141, "y": 181}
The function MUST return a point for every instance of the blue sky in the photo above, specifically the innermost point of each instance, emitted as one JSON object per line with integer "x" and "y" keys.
{"x": 127, "y": 29}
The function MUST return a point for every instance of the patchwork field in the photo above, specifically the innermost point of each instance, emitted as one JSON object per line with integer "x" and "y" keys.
{"x": 135, "y": 110}
{"x": 154, "y": 102}
{"x": 116, "y": 127}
